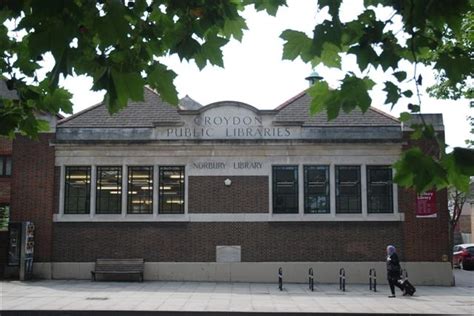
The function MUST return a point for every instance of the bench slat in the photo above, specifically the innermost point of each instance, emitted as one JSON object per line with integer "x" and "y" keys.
{"x": 119, "y": 266}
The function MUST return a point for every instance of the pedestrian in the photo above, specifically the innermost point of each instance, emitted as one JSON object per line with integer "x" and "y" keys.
{"x": 393, "y": 270}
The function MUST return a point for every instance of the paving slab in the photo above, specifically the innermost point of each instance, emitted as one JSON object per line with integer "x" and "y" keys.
{"x": 82, "y": 295}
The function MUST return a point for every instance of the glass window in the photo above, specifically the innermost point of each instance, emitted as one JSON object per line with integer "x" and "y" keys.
{"x": 285, "y": 189}
{"x": 348, "y": 199}
{"x": 379, "y": 189}
{"x": 4, "y": 216}
{"x": 316, "y": 189}
{"x": 171, "y": 190}
{"x": 109, "y": 190}
{"x": 5, "y": 166}
{"x": 77, "y": 190}
{"x": 140, "y": 190}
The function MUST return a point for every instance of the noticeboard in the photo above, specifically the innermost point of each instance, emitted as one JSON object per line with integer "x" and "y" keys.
{"x": 426, "y": 205}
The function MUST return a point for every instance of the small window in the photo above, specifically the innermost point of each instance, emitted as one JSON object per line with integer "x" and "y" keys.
{"x": 379, "y": 189}
{"x": 4, "y": 216}
{"x": 140, "y": 190}
{"x": 77, "y": 190}
{"x": 348, "y": 198}
{"x": 171, "y": 189}
{"x": 316, "y": 189}
{"x": 285, "y": 189}
{"x": 5, "y": 166}
{"x": 109, "y": 190}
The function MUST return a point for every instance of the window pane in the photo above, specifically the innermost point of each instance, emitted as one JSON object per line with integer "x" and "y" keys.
{"x": 348, "y": 198}
{"x": 8, "y": 166}
{"x": 316, "y": 189}
{"x": 285, "y": 189}
{"x": 109, "y": 190}
{"x": 171, "y": 190}
{"x": 379, "y": 189}
{"x": 140, "y": 190}
{"x": 4, "y": 216}
{"x": 2, "y": 166}
{"x": 77, "y": 190}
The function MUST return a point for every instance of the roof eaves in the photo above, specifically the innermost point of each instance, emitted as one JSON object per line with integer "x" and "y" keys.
{"x": 385, "y": 114}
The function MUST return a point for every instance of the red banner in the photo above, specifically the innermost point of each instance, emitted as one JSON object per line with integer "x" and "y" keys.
{"x": 426, "y": 204}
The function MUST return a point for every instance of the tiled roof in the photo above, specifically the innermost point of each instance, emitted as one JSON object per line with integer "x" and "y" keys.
{"x": 5, "y": 93}
{"x": 148, "y": 113}
{"x": 188, "y": 103}
{"x": 297, "y": 110}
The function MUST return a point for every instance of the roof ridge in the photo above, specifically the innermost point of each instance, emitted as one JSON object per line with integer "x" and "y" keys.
{"x": 291, "y": 100}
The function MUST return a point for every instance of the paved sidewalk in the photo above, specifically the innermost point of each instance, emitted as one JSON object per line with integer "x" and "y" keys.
{"x": 70, "y": 295}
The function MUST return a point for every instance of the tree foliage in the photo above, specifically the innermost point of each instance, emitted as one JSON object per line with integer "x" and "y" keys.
{"x": 119, "y": 43}
{"x": 433, "y": 34}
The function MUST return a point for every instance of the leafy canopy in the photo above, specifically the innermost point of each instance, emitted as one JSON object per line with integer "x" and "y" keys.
{"x": 119, "y": 43}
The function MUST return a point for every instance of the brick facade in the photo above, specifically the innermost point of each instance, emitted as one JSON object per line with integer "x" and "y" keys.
{"x": 32, "y": 194}
{"x": 196, "y": 242}
{"x": 246, "y": 194}
{"x": 5, "y": 198}
{"x": 425, "y": 239}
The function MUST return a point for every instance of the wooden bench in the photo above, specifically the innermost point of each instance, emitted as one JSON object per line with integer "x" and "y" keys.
{"x": 119, "y": 266}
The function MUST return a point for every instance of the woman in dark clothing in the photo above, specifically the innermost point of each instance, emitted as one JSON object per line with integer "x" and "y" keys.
{"x": 393, "y": 270}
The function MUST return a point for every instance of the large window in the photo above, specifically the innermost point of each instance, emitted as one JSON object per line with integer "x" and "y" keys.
{"x": 316, "y": 189}
{"x": 77, "y": 190}
{"x": 109, "y": 190}
{"x": 285, "y": 189}
{"x": 5, "y": 166}
{"x": 4, "y": 216}
{"x": 140, "y": 190}
{"x": 379, "y": 189}
{"x": 348, "y": 198}
{"x": 171, "y": 189}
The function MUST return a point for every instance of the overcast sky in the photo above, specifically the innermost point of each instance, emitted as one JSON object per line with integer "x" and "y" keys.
{"x": 255, "y": 73}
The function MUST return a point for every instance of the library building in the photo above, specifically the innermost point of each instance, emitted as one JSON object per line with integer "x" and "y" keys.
{"x": 222, "y": 192}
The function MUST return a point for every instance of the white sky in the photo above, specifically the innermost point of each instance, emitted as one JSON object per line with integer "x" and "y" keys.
{"x": 255, "y": 73}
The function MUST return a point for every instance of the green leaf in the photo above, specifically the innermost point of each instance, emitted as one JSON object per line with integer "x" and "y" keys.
{"x": 400, "y": 75}
{"x": 319, "y": 93}
{"x": 330, "y": 55}
{"x": 127, "y": 86}
{"x": 407, "y": 93}
{"x": 161, "y": 79}
{"x": 405, "y": 117}
{"x": 211, "y": 51}
{"x": 420, "y": 171}
{"x": 354, "y": 93}
{"x": 234, "y": 28}
{"x": 365, "y": 55}
{"x": 271, "y": 6}
{"x": 297, "y": 44}
{"x": 393, "y": 93}
{"x": 464, "y": 159}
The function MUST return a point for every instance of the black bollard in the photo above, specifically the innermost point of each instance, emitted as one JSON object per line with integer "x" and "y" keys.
{"x": 342, "y": 279}
{"x": 311, "y": 279}
{"x": 373, "y": 280}
{"x": 280, "y": 279}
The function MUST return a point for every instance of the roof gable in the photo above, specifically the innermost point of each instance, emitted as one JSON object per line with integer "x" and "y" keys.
{"x": 297, "y": 110}
{"x": 148, "y": 113}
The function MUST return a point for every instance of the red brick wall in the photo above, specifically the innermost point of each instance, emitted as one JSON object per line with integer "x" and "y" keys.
{"x": 246, "y": 194}
{"x": 425, "y": 239}
{"x": 32, "y": 195}
{"x": 196, "y": 242}
{"x": 5, "y": 189}
{"x": 5, "y": 150}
